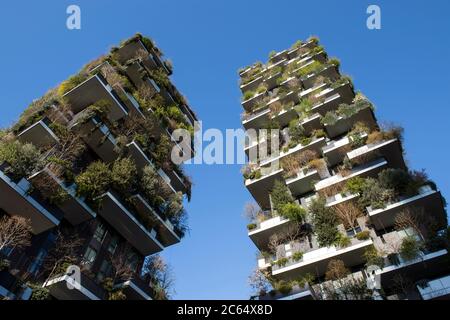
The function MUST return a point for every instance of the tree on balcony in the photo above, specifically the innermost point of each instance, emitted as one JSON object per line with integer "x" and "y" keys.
{"x": 15, "y": 233}
{"x": 325, "y": 222}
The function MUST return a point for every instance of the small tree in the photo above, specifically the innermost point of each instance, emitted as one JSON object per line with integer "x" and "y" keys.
{"x": 251, "y": 211}
{"x": 120, "y": 263}
{"x": 348, "y": 212}
{"x": 336, "y": 270}
{"x": 410, "y": 248}
{"x": 15, "y": 232}
{"x": 280, "y": 195}
{"x": 160, "y": 276}
{"x": 258, "y": 282}
{"x": 325, "y": 222}
{"x": 65, "y": 252}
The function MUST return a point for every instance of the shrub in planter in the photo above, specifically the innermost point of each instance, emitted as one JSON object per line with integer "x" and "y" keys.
{"x": 251, "y": 226}
{"x": 343, "y": 241}
{"x": 281, "y": 195}
{"x": 39, "y": 293}
{"x": 151, "y": 185}
{"x": 124, "y": 175}
{"x": 247, "y": 95}
{"x": 355, "y": 185}
{"x": 281, "y": 262}
{"x": 329, "y": 119}
{"x": 283, "y": 287}
{"x": 297, "y": 256}
{"x": 293, "y": 212}
{"x": 325, "y": 222}
{"x": 94, "y": 181}
{"x": 410, "y": 248}
{"x": 23, "y": 159}
{"x": 373, "y": 258}
{"x": 363, "y": 235}
{"x": 374, "y": 195}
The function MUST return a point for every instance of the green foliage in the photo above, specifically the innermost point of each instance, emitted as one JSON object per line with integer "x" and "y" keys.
{"x": 330, "y": 118}
{"x": 325, "y": 222}
{"x": 335, "y": 62}
{"x": 372, "y": 257}
{"x": 305, "y": 141}
{"x": 343, "y": 241}
{"x": 295, "y": 131}
{"x": 251, "y": 226}
{"x": 272, "y": 54}
{"x": 410, "y": 248}
{"x": 293, "y": 212}
{"x": 151, "y": 185}
{"x": 23, "y": 159}
{"x": 71, "y": 83}
{"x": 247, "y": 95}
{"x": 283, "y": 287}
{"x": 39, "y": 293}
{"x": 363, "y": 235}
{"x": 297, "y": 256}
{"x": 163, "y": 150}
{"x": 280, "y": 195}
{"x": 124, "y": 175}
{"x": 374, "y": 195}
{"x": 314, "y": 67}
{"x": 355, "y": 185}
{"x": 4, "y": 264}
{"x": 304, "y": 108}
{"x": 94, "y": 181}
{"x": 402, "y": 182}
{"x": 282, "y": 262}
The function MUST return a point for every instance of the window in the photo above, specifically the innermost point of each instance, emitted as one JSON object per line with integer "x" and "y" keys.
{"x": 105, "y": 270}
{"x": 113, "y": 244}
{"x": 37, "y": 263}
{"x": 100, "y": 232}
{"x": 89, "y": 256}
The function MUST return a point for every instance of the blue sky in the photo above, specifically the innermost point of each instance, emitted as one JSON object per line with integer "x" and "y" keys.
{"x": 403, "y": 68}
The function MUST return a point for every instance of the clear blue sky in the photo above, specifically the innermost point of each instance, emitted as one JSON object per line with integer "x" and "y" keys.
{"x": 403, "y": 68}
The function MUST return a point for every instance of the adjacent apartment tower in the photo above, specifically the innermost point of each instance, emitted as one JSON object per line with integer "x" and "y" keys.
{"x": 339, "y": 214}
{"x": 88, "y": 192}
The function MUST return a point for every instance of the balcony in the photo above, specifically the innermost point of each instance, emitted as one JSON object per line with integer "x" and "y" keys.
{"x": 311, "y": 123}
{"x": 315, "y": 145}
{"x": 253, "y": 84}
{"x": 16, "y": 199}
{"x": 333, "y": 97}
{"x": 330, "y": 72}
{"x": 438, "y": 289}
{"x": 390, "y": 150}
{"x": 173, "y": 180}
{"x": 97, "y": 136}
{"x": 368, "y": 170}
{"x": 39, "y": 134}
{"x": 297, "y": 293}
{"x": 316, "y": 261}
{"x": 260, "y": 188}
{"x": 65, "y": 287}
{"x": 303, "y": 181}
{"x": 344, "y": 125}
{"x": 428, "y": 265}
{"x": 74, "y": 208}
{"x": 93, "y": 90}
{"x": 130, "y": 51}
{"x": 265, "y": 229}
{"x": 250, "y": 103}
{"x": 136, "y": 289}
{"x": 428, "y": 199}
{"x": 117, "y": 215}
{"x": 279, "y": 56}
{"x": 335, "y": 151}
{"x": 164, "y": 228}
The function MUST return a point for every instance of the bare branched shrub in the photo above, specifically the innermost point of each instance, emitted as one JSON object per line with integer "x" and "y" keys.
{"x": 15, "y": 232}
{"x": 348, "y": 212}
{"x": 160, "y": 276}
{"x": 252, "y": 211}
{"x": 336, "y": 270}
{"x": 122, "y": 271}
{"x": 294, "y": 162}
{"x": 259, "y": 282}
{"x": 418, "y": 220}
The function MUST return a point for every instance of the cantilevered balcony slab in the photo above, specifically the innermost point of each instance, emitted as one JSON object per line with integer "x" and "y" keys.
{"x": 316, "y": 261}
{"x": 165, "y": 229}
{"x": 250, "y": 103}
{"x": 302, "y": 182}
{"x": 335, "y": 151}
{"x": 426, "y": 266}
{"x": 344, "y": 125}
{"x": 260, "y": 188}
{"x": 368, "y": 170}
{"x": 16, "y": 200}
{"x": 75, "y": 209}
{"x": 390, "y": 150}
{"x": 428, "y": 199}
{"x": 136, "y": 289}
{"x": 93, "y": 90}
{"x": 330, "y": 72}
{"x": 311, "y": 123}
{"x": 39, "y": 134}
{"x": 257, "y": 119}
{"x": 131, "y": 51}
{"x": 115, "y": 213}
{"x": 98, "y": 137}
{"x": 315, "y": 145}
{"x": 264, "y": 230}
{"x": 436, "y": 289}
{"x": 252, "y": 85}
{"x": 65, "y": 287}
{"x": 297, "y": 293}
